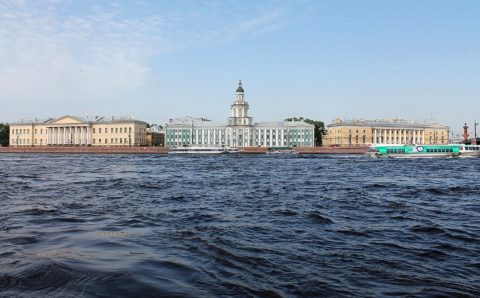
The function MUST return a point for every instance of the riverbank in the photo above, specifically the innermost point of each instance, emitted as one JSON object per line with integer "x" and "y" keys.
{"x": 164, "y": 150}
{"x": 86, "y": 150}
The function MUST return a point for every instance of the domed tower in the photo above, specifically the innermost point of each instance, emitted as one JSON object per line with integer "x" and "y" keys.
{"x": 240, "y": 125}
{"x": 239, "y": 109}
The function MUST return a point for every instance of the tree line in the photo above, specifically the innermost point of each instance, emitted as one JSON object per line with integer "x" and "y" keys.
{"x": 4, "y": 134}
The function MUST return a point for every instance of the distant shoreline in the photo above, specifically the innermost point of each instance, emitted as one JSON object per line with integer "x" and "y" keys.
{"x": 164, "y": 150}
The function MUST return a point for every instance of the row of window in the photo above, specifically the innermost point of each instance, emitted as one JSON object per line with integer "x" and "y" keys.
{"x": 20, "y": 141}
{"x": 21, "y": 131}
{"x": 438, "y": 150}
{"x": 115, "y": 130}
{"x": 117, "y": 141}
{"x": 105, "y": 130}
{"x": 396, "y": 151}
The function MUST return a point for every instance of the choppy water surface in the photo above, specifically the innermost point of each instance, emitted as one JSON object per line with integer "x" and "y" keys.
{"x": 129, "y": 225}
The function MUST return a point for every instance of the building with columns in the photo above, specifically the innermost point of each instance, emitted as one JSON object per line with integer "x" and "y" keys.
{"x": 394, "y": 131}
{"x": 79, "y": 131}
{"x": 239, "y": 131}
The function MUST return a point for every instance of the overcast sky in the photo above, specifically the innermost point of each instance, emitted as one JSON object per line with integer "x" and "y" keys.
{"x": 156, "y": 60}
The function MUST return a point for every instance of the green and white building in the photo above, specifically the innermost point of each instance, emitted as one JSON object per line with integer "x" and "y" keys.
{"x": 240, "y": 130}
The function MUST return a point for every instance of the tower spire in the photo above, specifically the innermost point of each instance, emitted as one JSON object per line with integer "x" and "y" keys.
{"x": 240, "y": 89}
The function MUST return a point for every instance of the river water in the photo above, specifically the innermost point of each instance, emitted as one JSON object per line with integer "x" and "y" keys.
{"x": 238, "y": 225}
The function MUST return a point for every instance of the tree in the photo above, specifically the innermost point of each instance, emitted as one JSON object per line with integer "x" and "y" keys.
{"x": 4, "y": 134}
{"x": 319, "y": 128}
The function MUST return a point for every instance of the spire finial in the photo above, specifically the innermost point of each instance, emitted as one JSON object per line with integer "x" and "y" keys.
{"x": 240, "y": 89}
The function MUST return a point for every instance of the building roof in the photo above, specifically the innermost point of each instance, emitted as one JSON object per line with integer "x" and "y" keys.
{"x": 87, "y": 119}
{"x": 385, "y": 123}
{"x": 196, "y": 122}
{"x": 280, "y": 124}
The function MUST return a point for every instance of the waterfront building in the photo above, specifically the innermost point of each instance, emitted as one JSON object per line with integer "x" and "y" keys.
{"x": 239, "y": 131}
{"x": 394, "y": 131}
{"x": 79, "y": 131}
{"x": 155, "y": 136}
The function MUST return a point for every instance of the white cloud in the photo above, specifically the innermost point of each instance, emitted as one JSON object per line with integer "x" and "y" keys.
{"x": 47, "y": 56}
{"x": 52, "y": 54}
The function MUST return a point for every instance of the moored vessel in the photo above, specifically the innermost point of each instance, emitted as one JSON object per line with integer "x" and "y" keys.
{"x": 407, "y": 151}
{"x": 469, "y": 150}
{"x": 203, "y": 150}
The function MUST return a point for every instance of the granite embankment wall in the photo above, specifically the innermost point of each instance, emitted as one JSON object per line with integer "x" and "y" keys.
{"x": 164, "y": 150}
{"x": 253, "y": 150}
{"x": 332, "y": 150}
{"x": 86, "y": 150}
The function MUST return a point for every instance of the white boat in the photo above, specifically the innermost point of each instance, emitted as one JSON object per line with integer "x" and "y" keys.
{"x": 203, "y": 150}
{"x": 281, "y": 152}
{"x": 469, "y": 150}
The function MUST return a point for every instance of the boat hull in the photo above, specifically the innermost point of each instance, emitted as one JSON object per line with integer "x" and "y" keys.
{"x": 203, "y": 150}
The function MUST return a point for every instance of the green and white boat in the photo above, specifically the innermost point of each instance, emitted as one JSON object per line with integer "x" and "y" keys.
{"x": 469, "y": 150}
{"x": 407, "y": 151}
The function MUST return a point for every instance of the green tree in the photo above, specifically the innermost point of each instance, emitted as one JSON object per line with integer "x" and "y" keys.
{"x": 4, "y": 134}
{"x": 319, "y": 128}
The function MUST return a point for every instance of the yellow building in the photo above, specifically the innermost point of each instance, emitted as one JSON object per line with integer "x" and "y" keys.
{"x": 395, "y": 131}
{"x": 76, "y": 131}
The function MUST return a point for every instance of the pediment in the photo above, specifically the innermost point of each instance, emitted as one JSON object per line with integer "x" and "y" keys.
{"x": 67, "y": 120}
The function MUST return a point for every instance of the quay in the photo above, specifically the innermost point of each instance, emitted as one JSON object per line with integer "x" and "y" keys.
{"x": 164, "y": 150}
{"x": 86, "y": 150}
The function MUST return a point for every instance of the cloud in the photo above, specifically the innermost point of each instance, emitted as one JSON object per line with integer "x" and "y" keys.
{"x": 54, "y": 52}
{"x": 45, "y": 55}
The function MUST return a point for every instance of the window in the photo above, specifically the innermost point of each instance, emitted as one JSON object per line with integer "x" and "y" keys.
{"x": 111, "y": 140}
{"x": 116, "y": 129}
{"x": 120, "y": 130}
{"x": 100, "y": 130}
{"x": 93, "y": 130}
{"x": 93, "y": 141}
{"x": 35, "y": 132}
{"x": 111, "y": 130}
{"x": 106, "y": 141}
{"x": 99, "y": 141}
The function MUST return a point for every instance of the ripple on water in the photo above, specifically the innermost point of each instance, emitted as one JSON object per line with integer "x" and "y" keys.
{"x": 243, "y": 226}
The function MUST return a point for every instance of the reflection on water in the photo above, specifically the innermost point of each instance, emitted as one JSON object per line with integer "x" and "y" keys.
{"x": 120, "y": 225}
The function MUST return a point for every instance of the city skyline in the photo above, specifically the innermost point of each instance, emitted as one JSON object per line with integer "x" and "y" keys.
{"x": 319, "y": 60}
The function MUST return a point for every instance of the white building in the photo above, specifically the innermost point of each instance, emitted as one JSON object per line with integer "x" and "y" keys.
{"x": 240, "y": 130}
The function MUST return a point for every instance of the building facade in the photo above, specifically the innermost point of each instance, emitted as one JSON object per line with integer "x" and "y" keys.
{"x": 239, "y": 131}
{"x": 395, "y": 131}
{"x": 76, "y": 131}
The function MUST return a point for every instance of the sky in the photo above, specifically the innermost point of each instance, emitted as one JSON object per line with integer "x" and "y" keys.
{"x": 322, "y": 59}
